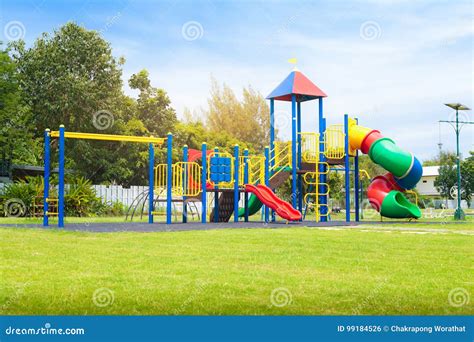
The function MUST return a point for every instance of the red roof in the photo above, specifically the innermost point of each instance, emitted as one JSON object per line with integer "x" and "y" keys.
{"x": 296, "y": 83}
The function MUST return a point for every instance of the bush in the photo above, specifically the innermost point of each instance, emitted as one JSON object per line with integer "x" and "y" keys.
{"x": 17, "y": 198}
{"x": 80, "y": 198}
{"x": 113, "y": 209}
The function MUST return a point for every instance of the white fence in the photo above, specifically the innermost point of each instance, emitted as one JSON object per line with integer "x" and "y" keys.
{"x": 116, "y": 193}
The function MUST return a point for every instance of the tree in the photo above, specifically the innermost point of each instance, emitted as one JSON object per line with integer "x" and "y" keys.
{"x": 444, "y": 157}
{"x": 70, "y": 77}
{"x": 368, "y": 165}
{"x": 467, "y": 178}
{"x": 446, "y": 179}
{"x": 67, "y": 77}
{"x": 336, "y": 186}
{"x": 247, "y": 120}
{"x": 15, "y": 115}
{"x": 153, "y": 105}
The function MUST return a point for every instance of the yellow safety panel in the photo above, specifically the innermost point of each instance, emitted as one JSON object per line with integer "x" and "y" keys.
{"x": 185, "y": 178}
{"x": 310, "y": 147}
{"x": 334, "y": 142}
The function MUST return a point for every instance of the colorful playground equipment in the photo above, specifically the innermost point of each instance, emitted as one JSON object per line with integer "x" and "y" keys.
{"x": 385, "y": 192}
{"x": 220, "y": 179}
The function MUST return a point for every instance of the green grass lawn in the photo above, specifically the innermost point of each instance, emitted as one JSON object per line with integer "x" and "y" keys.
{"x": 235, "y": 271}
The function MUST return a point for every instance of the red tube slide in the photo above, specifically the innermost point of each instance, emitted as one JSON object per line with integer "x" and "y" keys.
{"x": 194, "y": 155}
{"x": 268, "y": 197}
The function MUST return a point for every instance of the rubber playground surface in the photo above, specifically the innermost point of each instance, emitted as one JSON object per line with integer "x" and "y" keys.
{"x": 177, "y": 227}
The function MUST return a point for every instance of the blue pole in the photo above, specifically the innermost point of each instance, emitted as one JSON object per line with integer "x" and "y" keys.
{"x": 47, "y": 157}
{"x": 356, "y": 184}
{"x": 267, "y": 176}
{"x": 236, "y": 183}
{"x": 272, "y": 131}
{"x": 169, "y": 181}
{"x": 204, "y": 183}
{"x": 272, "y": 141}
{"x": 300, "y": 182}
{"x": 293, "y": 151}
{"x": 347, "y": 168}
{"x": 185, "y": 183}
{"x": 151, "y": 184}
{"x": 216, "y": 194}
{"x": 61, "y": 178}
{"x": 246, "y": 181}
{"x": 323, "y": 199}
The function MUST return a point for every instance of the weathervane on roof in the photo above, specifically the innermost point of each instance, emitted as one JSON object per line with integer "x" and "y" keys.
{"x": 293, "y": 61}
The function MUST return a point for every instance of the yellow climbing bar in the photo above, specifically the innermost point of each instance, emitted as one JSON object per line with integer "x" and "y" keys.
{"x": 312, "y": 178}
{"x": 108, "y": 137}
{"x": 364, "y": 173}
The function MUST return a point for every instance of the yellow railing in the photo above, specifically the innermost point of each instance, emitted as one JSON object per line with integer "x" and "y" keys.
{"x": 161, "y": 179}
{"x": 185, "y": 178}
{"x": 281, "y": 158}
{"x": 242, "y": 170}
{"x": 334, "y": 142}
{"x": 256, "y": 169}
{"x": 309, "y": 147}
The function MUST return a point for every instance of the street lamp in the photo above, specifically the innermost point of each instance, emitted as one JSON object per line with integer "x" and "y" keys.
{"x": 458, "y": 214}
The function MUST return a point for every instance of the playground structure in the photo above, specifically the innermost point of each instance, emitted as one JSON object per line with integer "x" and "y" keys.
{"x": 306, "y": 160}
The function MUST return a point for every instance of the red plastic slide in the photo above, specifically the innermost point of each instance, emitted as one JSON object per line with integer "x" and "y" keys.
{"x": 268, "y": 197}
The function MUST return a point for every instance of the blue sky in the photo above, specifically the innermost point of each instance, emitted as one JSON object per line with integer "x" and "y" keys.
{"x": 390, "y": 63}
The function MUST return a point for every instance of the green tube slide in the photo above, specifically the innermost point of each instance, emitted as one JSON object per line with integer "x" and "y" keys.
{"x": 391, "y": 157}
{"x": 396, "y": 205}
{"x": 254, "y": 206}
